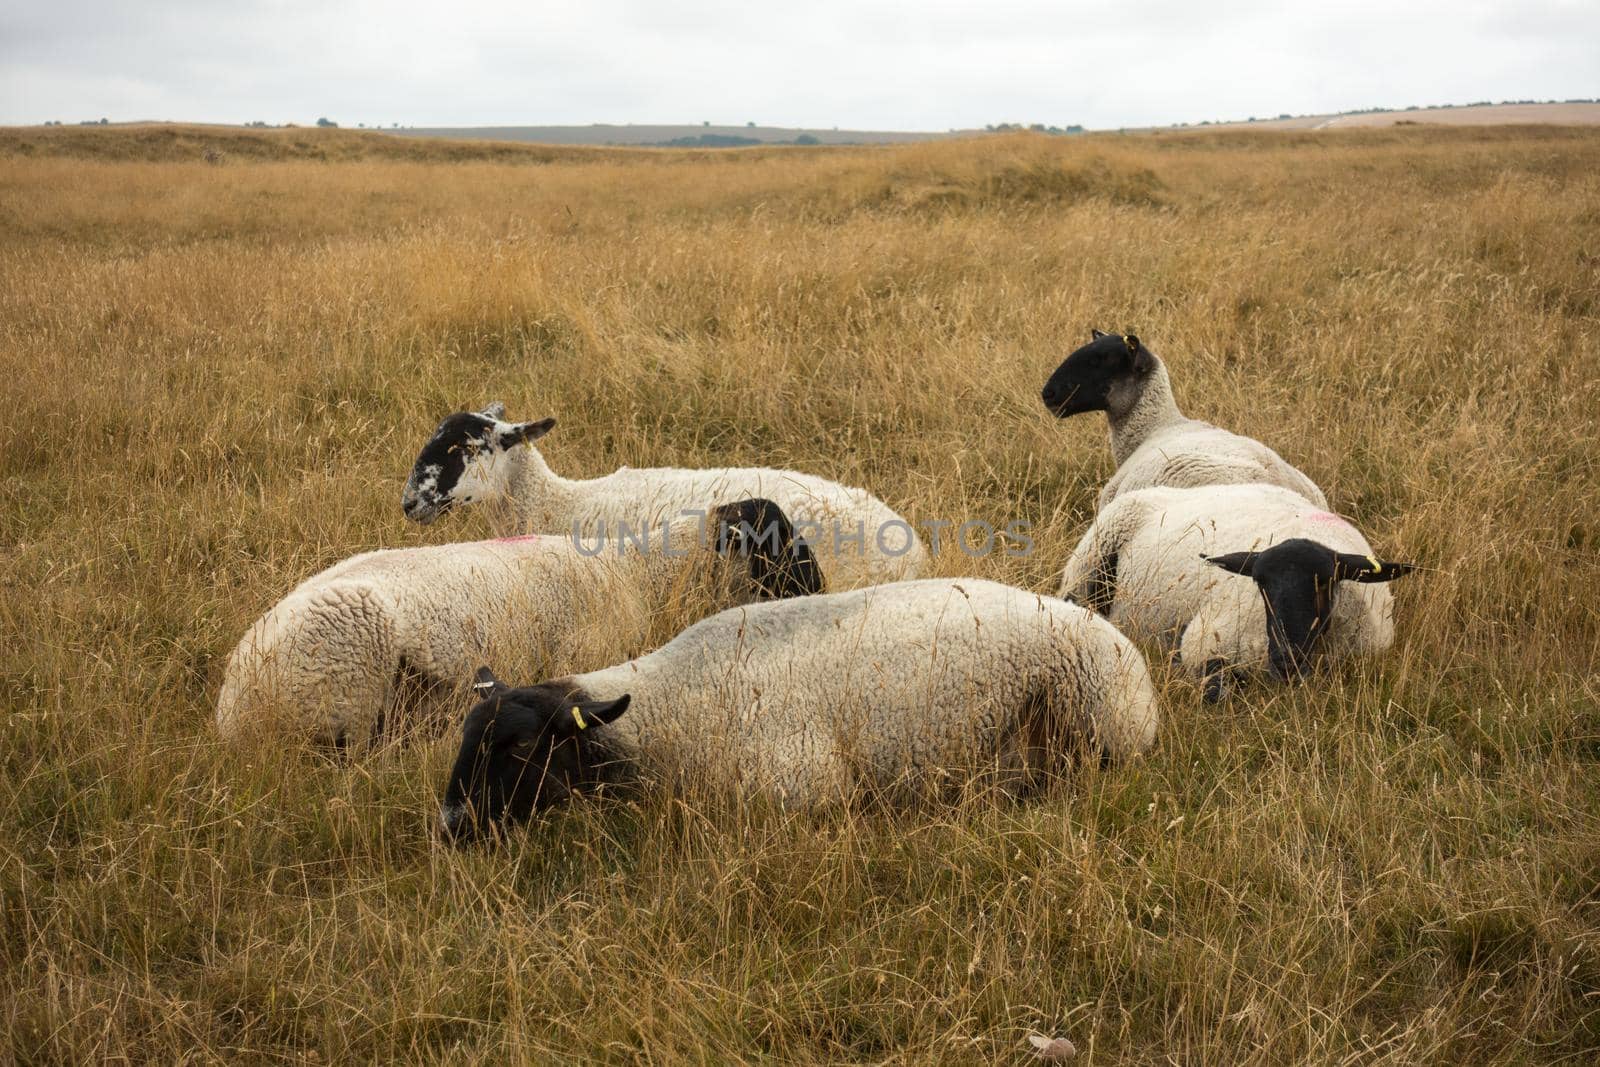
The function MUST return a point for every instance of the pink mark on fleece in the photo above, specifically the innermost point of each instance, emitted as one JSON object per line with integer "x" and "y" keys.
{"x": 1328, "y": 516}
{"x": 522, "y": 539}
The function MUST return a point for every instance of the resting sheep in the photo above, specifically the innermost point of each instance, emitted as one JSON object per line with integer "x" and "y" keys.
{"x": 385, "y": 640}
{"x": 1166, "y": 564}
{"x": 880, "y": 691}
{"x": 477, "y": 457}
{"x": 1154, "y": 444}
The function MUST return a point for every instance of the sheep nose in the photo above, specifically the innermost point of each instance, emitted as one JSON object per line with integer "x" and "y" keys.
{"x": 452, "y": 828}
{"x": 1291, "y": 667}
{"x": 418, "y": 511}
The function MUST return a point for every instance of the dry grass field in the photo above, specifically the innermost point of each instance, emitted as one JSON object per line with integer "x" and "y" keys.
{"x": 215, "y": 381}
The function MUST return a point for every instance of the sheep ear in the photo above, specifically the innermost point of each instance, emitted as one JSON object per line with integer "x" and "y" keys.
{"x": 523, "y": 432}
{"x": 1095, "y": 335}
{"x": 1238, "y": 562}
{"x": 494, "y": 409}
{"x": 609, "y": 711}
{"x": 1354, "y": 568}
{"x": 1143, "y": 361}
{"x": 485, "y": 684}
{"x": 583, "y": 714}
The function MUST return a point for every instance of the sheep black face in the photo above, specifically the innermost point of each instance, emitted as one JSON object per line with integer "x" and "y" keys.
{"x": 459, "y": 464}
{"x": 1296, "y": 579}
{"x": 522, "y": 750}
{"x": 780, "y": 565}
{"x": 1104, "y": 375}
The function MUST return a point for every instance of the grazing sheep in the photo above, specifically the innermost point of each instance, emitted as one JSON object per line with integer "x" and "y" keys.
{"x": 1153, "y": 442}
{"x": 477, "y": 457}
{"x": 396, "y": 634}
{"x": 885, "y": 691}
{"x": 1162, "y": 563}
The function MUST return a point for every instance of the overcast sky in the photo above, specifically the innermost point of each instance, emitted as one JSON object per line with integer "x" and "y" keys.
{"x": 863, "y": 64}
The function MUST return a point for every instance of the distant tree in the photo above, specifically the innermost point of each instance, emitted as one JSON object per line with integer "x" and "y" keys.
{"x": 327, "y": 123}
{"x": 751, "y": 125}
{"x": 706, "y": 122}
{"x": 105, "y": 122}
{"x": 806, "y": 138}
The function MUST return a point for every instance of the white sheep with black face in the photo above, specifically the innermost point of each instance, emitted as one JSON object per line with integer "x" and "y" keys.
{"x": 383, "y": 642}
{"x": 1236, "y": 577}
{"x": 890, "y": 691}
{"x": 478, "y": 458}
{"x": 1153, "y": 442}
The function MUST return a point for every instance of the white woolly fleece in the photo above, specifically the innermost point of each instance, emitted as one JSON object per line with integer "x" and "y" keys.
{"x": 327, "y": 663}
{"x": 897, "y": 686}
{"x": 527, "y": 495}
{"x": 1156, "y": 445}
{"x": 1165, "y": 591}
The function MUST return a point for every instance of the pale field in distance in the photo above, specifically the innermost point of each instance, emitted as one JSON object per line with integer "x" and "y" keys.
{"x": 1573, "y": 114}
{"x": 216, "y": 378}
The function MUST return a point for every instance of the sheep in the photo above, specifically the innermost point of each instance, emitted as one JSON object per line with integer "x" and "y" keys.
{"x": 1160, "y": 563}
{"x": 882, "y": 692}
{"x": 1154, "y": 444}
{"x": 478, "y": 457}
{"x": 381, "y": 642}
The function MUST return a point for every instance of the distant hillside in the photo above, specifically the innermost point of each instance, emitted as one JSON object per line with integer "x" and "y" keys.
{"x": 696, "y": 136}
{"x": 1575, "y": 113}
{"x": 167, "y": 141}
{"x": 164, "y": 141}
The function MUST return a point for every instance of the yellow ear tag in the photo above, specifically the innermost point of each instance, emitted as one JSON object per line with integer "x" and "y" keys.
{"x": 577, "y": 717}
{"x": 1377, "y": 568}
{"x": 1133, "y": 345}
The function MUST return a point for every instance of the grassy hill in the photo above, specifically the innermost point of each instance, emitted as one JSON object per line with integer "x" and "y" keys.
{"x": 166, "y": 142}
{"x": 647, "y": 134}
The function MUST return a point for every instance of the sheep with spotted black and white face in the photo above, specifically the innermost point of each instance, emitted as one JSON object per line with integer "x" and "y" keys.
{"x": 480, "y": 459}
{"x": 1237, "y": 577}
{"x": 1153, "y": 442}
{"x": 384, "y": 642}
{"x": 887, "y": 692}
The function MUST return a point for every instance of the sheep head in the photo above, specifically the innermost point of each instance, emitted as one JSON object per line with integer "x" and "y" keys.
{"x": 464, "y": 461}
{"x": 522, "y": 750}
{"x": 1297, "y": 579}
{"x": 1107, "y": 374}
{"x": 781, "y": 564}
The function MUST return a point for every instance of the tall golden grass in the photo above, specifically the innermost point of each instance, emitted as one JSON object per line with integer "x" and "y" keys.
{"x": 216, "y": 377}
